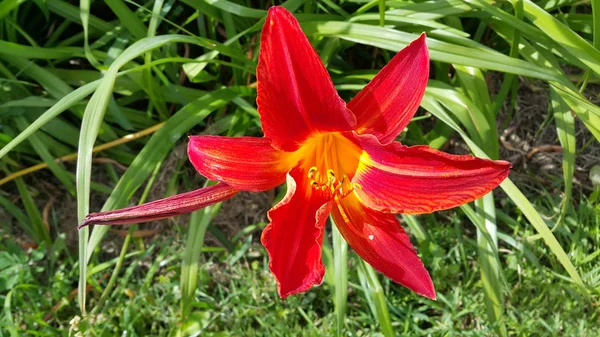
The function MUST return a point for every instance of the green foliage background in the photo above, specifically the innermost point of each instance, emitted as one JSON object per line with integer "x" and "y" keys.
{"x": 519, "y": 262}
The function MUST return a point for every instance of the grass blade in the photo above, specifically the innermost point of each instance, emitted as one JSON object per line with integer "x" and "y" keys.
{"x": 571, "y": 41}
{"x": 565, "y": 128}
{"x": 22, "y": 219}
{"x": 84, "y": 6}
{"x": 42, "y": 150}
{"x": 19, "y": 50}
{"x": 490, "y": 268}
{"x": 8, "y": 5}
{"x": 133, "y": 24}
{"x": 7, "y": 309}
{"x": 596, "y": 23}
{"x": 382, "y": 13}
{"x": 375, "y": 297}
{"x": 340, "y": 263}
{"x": 394, "y": 40}
{"x": 42, "y": 233}
{"x": 63, "y": 104}
{"x": 72, "y": 13}
{"x": 199, "y": 222}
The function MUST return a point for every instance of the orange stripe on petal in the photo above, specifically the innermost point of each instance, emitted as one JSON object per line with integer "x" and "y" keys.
{"x": 387, "y": 104}
{"x": 419, "y": 179}
{"x": 245, "y": 163}
{"x": 295, "y": 94}
{"x": 380, "y": 240}
{"x": 293, "y": 238}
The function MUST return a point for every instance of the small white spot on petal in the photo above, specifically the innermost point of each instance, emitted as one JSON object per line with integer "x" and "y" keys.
{"x": 371, "y": 237}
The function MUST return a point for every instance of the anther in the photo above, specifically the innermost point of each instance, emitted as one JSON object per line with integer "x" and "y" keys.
{"x": 332, "y": 186}
{"x": 311, "y": 172}
{"x": 330, "y": 176}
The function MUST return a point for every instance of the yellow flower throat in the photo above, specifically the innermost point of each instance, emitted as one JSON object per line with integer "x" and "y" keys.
{"x": 330, "y": 161}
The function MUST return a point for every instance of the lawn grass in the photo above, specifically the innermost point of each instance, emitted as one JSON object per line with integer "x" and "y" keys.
{"x": 114, "y": 88}
{"x": 239, "y": 298}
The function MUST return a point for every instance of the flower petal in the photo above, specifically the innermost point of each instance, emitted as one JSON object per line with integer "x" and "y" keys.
{"x": 419, "y": 179}
{"x": 245, "y": 163}
{"x": 163, "y": 208}
{"x": 380, "y": 240}
{"x": 386, "y": 105}
{"x": 294, "y": 236}
{"x": 295, "y": 94}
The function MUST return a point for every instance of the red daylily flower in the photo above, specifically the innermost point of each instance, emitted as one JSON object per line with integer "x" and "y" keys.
{"x": 337, "y": 158}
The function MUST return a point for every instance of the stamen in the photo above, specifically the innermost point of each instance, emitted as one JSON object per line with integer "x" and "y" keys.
{"x": 330, "y": 176}
{"x": 332, "y": 186}
{"x": 311, "y": 172}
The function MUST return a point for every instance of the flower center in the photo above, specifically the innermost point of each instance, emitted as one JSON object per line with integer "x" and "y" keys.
{"x": 332, "y": 186}
{"x": 330, "y": 161}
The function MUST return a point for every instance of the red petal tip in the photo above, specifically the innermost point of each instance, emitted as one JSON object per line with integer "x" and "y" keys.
{"x": 277, "y": 10}
{"x": 283, "y": 294}
{"x": 422, "y": 42}
{"x": 295, "y": 94}
{"x": 276, "y": 13}
{"x": 429, "y": 292}
{"x": 386, "y": 105}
